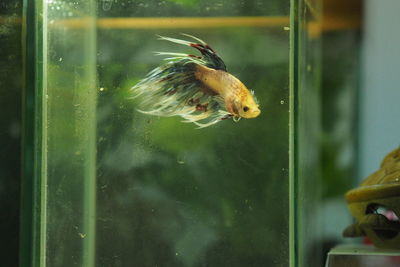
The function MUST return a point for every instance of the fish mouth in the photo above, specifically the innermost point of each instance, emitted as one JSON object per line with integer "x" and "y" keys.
{"x": 252, "y": 114}
{"x": 256, "y": 113}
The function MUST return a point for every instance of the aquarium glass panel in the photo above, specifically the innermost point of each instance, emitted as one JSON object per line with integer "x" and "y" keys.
{"x": 340, "y": 94}
{"x": 117, "y": 185}
{"x": 68, "y": 160}
{"x": 326, "y": 131}
{"x": 307, "y": 133}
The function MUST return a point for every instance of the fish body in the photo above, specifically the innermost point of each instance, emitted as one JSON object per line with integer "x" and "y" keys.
{"x": 197, "y": 88}
{"x": 239, "y": 101}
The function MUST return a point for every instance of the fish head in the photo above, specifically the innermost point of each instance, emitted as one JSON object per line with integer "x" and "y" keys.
{"x": 248, "y": 107}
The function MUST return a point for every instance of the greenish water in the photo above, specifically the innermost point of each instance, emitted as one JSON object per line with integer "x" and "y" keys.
{"x": 173, "y": 195}
{"x": 126, "y": 189}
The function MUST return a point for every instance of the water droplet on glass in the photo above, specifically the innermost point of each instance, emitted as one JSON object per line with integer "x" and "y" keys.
{"x": 282, "y": 102}
{"x": 60, "y": 59}
{"x": 286, "y": 28}
{"x": 101, "y": 89}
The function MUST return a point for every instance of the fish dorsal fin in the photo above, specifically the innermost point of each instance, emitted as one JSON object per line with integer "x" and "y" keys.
{"x": 210, "y": 57}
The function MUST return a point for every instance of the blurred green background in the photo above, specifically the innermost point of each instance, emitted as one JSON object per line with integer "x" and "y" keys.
{"x": 163, "y": 193}
{"x": 166, "y": 193}
{"x": 216, "y": 196}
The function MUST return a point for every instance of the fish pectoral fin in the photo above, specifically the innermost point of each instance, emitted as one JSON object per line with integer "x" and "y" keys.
{"x": 231, "y": 108}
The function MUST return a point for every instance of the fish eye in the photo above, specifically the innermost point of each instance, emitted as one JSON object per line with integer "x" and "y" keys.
{"x": 246, "y": 108}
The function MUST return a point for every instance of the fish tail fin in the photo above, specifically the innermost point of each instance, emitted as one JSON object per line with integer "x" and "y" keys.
{"x": 166, "y": 89}
{"x": 209, "y": 56}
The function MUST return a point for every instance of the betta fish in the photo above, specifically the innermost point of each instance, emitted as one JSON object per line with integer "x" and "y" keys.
{"x": 197, "y": 88}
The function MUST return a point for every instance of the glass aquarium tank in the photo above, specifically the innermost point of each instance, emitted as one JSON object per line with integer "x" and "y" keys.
{"x": 108, "y": 185}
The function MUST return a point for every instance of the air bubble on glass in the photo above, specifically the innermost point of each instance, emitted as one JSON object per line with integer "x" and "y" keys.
{"x": 180, "y": 159}
{"x": 107, "y": 4}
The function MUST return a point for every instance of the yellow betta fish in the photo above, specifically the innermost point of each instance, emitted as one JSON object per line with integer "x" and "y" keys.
{"x": 197, "y": 88}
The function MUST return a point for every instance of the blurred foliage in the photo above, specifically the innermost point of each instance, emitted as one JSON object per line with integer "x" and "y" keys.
{"x": 190, "y": 8}
{"x": 173, "y": 195}
{"x": 10, "y": 128}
